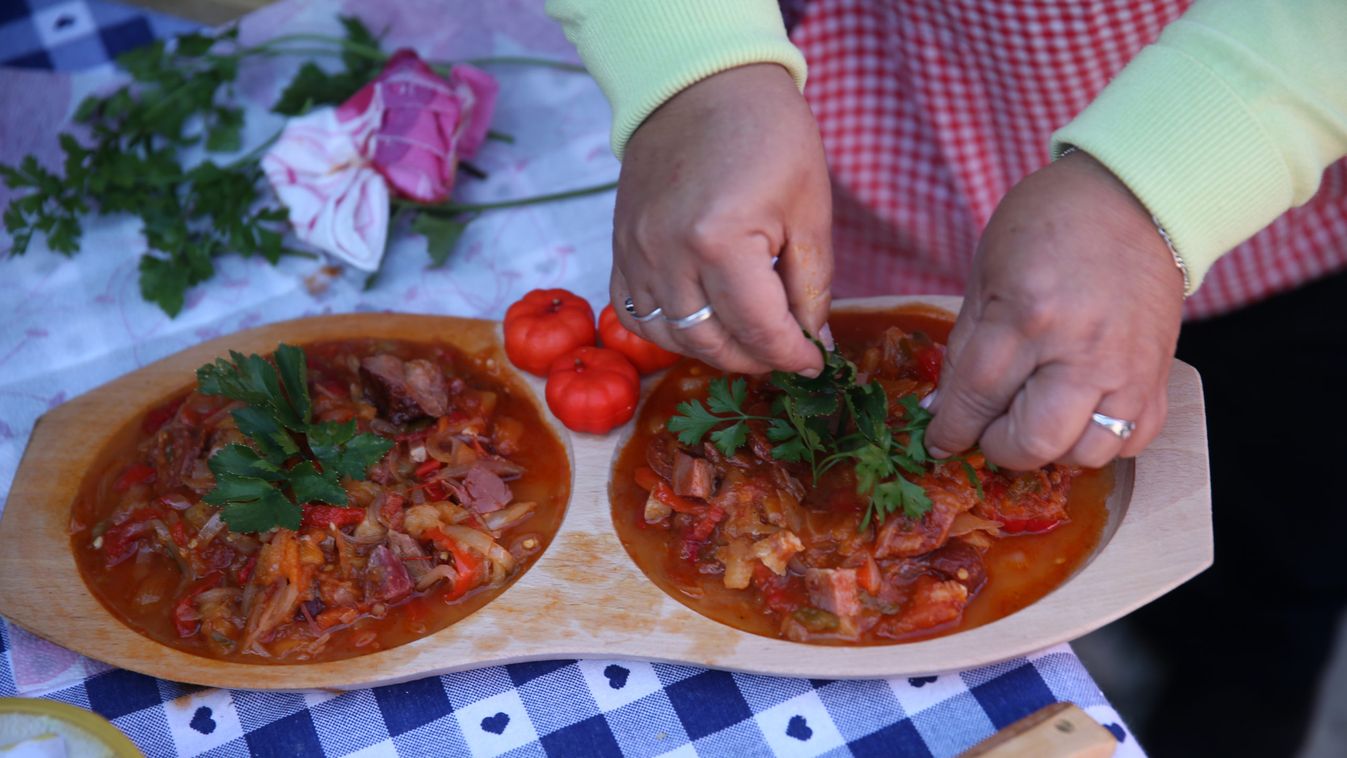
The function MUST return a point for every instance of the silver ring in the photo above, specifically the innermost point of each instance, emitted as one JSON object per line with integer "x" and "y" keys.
{"x": 630, "y": 307}
{"x": 1120, "y": 427}
{"x": 692, "y": 319}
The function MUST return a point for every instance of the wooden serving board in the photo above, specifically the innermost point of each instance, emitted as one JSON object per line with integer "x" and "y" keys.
{"x": 583, "y": 598}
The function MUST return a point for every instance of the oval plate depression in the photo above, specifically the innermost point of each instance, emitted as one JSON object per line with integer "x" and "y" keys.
{"x": 583, "y": 598}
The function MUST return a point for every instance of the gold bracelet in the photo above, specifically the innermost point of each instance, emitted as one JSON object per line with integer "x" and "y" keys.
{"x": 1160, "y": 228}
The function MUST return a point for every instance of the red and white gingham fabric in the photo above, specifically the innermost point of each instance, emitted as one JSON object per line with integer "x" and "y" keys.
{"x": 932, "y": 109}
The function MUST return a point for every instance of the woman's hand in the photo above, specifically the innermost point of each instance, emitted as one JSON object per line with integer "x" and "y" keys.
{"x": 1073, "y": 307}
{"x": 716, "y": 183}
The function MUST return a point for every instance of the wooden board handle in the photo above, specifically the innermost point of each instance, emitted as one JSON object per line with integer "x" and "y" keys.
{"x": 1060, "y": 730}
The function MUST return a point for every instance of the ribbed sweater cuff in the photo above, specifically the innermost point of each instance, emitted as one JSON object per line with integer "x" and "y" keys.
{"x": 1189, "y": 149}
{"x": 643, "y": 52}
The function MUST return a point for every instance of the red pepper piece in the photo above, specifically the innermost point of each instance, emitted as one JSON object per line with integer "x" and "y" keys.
{"x": 134, "y": 474}
{"x": 467, "y": 565}
{"x": 246, "y": 572}
{"x": 120, "y": 541}
{"x": 321, "y": 516}
{"x": 157, "y": 417}
{"x": 182, "y": 611}
{"x": 178, "y": 532}
{"x": 695, "y": 538}
{"x": 424, "y": 471}
{"x": 435, "y": 490}
{"x": 928, "y": 360}
{"x": 1030, "y": 525}
{"x": 646, "y": 478}
{"x": 665, "y": 494}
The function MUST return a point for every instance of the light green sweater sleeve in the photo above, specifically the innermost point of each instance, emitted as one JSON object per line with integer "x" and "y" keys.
{"x": 643, "y": 52}
{"x": 1227, "y": 121}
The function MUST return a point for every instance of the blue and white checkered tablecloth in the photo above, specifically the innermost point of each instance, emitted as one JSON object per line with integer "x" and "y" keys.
{"x": 70, "y": 35}
{"x": 592, "y": 708}
{"x": 555, "y": 708}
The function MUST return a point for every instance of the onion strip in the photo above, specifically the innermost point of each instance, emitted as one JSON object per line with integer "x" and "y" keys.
{"x": 965, "y": 523}
{"x": 482, "y": 543}
{"x": 442, "y": 571}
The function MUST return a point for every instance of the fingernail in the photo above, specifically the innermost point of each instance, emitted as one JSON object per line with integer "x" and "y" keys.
{"x": 810, "y": 373}
{"x": 825, "y": 336}
{"x": 929, "y": 400}
{"x": 936, "y": 452}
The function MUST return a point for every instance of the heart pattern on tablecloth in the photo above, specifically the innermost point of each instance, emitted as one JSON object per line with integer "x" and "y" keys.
{"x": 798, "y": 728}
{"x": 1118, "y": 732}
{"x": 920, "y": 681}
{"x": 617, "y": 676}
{"x": 496, "y": 724}
{"x": 202, "y": 721}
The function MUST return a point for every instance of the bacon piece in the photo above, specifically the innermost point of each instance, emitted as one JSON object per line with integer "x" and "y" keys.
{"x": 386, "y": 578}
{"x": 385, "y": 379}
{"x": 659, "y": 456}
{"x": 833, "y": 590}
{"x": 484, "y": 491}
{"x": 176, "y": 450}
{"x": 337, "y": 592}
{"x": 405, "y": 390}
{"x": 425, "y": 382}
{"x": 933, "y": 602}
{"x": 740, "y": 496}
{"x": 409, "y": 551}
{"x": 693, "y": 477}
{"x": 903, "y": 537}
{"x": 961, "y": 562}
{"x": 1028, "y": 498}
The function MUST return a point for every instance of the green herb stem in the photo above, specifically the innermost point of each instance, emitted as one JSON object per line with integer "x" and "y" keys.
{"x": 342, "y": 45}
{"x": 457, "y": 208}
{"x": 256, "y": 153}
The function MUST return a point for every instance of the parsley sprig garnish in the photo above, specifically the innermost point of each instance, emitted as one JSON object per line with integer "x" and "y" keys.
{"x": 291, "y": 460}
{"x": 824, "y": 421}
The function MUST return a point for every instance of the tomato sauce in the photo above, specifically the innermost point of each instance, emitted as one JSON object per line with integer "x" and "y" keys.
{"x": 1020, "y": 568}
{"x": 157, "y": 589}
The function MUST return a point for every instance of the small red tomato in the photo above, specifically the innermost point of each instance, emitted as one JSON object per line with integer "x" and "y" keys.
{"x": 544, "y": 325}
{"x": 645, "y": 355}
{"x": 592, "y": 389}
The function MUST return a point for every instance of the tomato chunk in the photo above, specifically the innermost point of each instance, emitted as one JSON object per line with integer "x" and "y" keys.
{"x": 134, "y": 474}
{"x": 323, "y": 516}
{"x": 185, "y": 619}
{"x": 157, "y": 417}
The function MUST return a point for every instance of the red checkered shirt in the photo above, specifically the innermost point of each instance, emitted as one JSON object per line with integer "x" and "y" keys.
{"x": 931, "y": 110}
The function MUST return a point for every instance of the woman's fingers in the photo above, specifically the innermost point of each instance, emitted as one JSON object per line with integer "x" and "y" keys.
{"x": 722, "y": 178}
{"x": 1049, "y": 416}
{"x": 806, "y": 271}
{"x": 980, "y": 380}
{"x": 751, "y": 303}
{"x": 643, "y": 302}
{"x": 707, "y": 340}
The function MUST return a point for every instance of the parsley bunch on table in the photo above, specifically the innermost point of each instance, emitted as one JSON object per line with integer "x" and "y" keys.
{"x": 179, "y": 98}
{"x": 261, "y": 485}
{"x": 825, "y": 421}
